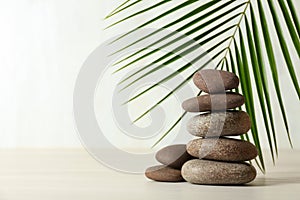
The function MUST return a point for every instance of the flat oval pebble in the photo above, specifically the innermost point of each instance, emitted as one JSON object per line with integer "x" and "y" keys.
{"x": 213, "y": 102}
{"x": 229, "y": 123}
{"x": 173, "y": 156}
{"x": 222, "y": 149}
{"x": 208, "y": 172}
{"x": 163, "y": 173}
{"x": 215, "y": 81}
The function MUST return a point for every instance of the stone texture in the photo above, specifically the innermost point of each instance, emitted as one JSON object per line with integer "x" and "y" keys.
{"x": 163, "y": 173}
{"x": 222, "y": 149}
{"x": 215, "y": 81}
{"x": 173, "y": 156}
{"x": 217, "y": 173}
{"x": 229, "y": 123}
{"x": 213, "y": 102}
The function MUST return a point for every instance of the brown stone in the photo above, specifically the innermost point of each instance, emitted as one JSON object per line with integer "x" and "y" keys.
{"x": 215, "y": 81}
{"x": 222, "y": 149}
{"x": 164, "y": 173}
{"x": 173, "y": 156}
{"x": 213, "y": 102}
{"x": 208, "y": 172}
{"x": 229, "y": 123}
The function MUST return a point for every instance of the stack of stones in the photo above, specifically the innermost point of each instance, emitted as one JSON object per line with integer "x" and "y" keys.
{"x": 213, "y": 158}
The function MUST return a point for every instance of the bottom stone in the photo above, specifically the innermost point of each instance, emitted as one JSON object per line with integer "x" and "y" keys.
{"x": 164, "y": 173}
{"x": 208, "y": 172}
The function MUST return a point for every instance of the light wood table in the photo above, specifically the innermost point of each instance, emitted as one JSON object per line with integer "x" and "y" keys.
{"x": 63, "y": 174}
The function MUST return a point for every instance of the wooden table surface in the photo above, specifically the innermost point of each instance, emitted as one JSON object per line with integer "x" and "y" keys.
{"x": 63, "y": 174}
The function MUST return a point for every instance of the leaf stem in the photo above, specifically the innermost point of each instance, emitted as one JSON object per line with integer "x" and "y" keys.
{"x": 236, "y": 29}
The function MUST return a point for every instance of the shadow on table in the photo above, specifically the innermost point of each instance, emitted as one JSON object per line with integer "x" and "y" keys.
{"x": 262, "y": 181}
{"x": 282, "y": 179}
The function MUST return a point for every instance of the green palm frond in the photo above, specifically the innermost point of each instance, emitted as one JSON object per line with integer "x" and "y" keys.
{"x": 243, "y": 29}
{"x": 294, "y": 15}
{"x": 260, "y": 73}
{"x": 121, "y": 7}
{"x": 139, "y": 12}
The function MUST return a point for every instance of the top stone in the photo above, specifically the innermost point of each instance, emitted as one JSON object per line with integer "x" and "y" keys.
{"x": 215, "y": 81}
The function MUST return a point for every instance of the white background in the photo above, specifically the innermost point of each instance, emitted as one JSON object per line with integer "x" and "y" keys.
{"x": 43, "y": 44}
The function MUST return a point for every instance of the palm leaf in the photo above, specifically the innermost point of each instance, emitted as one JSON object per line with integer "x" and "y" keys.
{"x": 294, "y": 15}
{"x": 139, "y": 12}
{"x": 174, "y": 90}
{"x": 273, "y": 64}
{"x": 234, "y": 69}
{"x": 121, "y": 8}
{"x": 284, "y": 47}
{"x": 117, "y": 9}
{"x": 183, "y": 68}
{"x": 195, "y": 21}
{"x": 247, "y": 41}
{"x": 183, "y": 18}
{"x": 189, "y": 2}
{"x": 263, "y": 76}
{"x": 244, "y": 75}
{"x": 258, "y": 83}
{"x": 290, "y": 25}
{"x": 191, "y": 49}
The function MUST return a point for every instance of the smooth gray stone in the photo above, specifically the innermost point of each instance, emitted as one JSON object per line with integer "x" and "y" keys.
{"x": 164, "y": 174}
{"x": 215, "y": 81}
{"x": 173, "y": 156}
{"x": 208, "y": 172}
{"x": 213, "y": 102}
{"x": 229, "y": 123}
{"x": 222, "y": 149}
